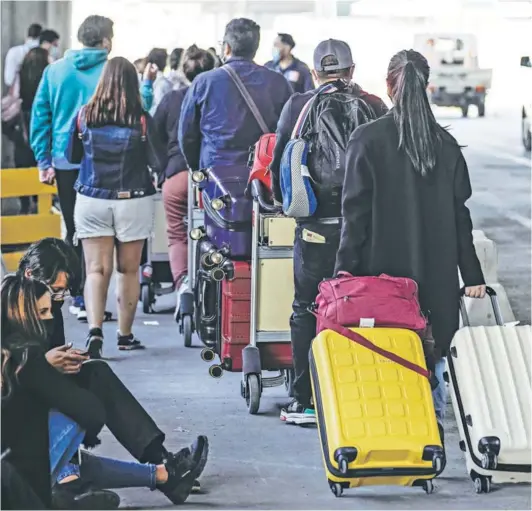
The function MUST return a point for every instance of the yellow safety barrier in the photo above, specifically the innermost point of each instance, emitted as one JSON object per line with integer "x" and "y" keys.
{"x": 26, "y": 229}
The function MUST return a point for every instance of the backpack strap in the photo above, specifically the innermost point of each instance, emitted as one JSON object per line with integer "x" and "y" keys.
{"x": 247, "y": 98}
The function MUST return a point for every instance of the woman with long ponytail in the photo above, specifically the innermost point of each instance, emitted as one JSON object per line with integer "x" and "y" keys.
{"x": 419, "y": 132}
{"x": 404, "y": 206}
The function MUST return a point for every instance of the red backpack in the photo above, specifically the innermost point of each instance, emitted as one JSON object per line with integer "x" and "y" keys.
{"x": 260, "y": 158}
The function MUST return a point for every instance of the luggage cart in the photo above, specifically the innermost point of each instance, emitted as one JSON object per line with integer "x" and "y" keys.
{"x": 272, "y": 293}
{"x": 194, "y": 222}
{"x": 156, "y": 276}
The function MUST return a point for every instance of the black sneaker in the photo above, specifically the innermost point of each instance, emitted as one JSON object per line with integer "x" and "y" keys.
{"x": 95, "y": 343}
{"x": 75, "y": 495}
{"x": 129, "y": 342}
{"x": 184, "y": 469}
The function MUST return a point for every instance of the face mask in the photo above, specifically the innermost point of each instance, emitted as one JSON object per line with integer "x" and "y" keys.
{"x": 276, "y": 54}
{"x": 55, "y": 53}
{"x": 48, "y": 325}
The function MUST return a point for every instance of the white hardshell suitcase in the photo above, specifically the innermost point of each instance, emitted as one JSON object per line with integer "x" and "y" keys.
{"x": 490, "y": 382}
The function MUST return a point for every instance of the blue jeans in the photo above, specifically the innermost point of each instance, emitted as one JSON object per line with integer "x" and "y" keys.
{"x": 439, "y": 394}
{"x": 101, "y": 473}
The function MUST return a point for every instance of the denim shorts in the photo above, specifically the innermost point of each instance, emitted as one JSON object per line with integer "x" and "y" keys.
{"x": 124, "y": 219}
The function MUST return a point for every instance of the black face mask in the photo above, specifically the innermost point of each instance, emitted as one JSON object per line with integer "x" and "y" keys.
{"x": 49, "y": 327}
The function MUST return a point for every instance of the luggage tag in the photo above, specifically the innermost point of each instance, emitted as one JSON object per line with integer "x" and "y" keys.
{"x": 312, "y": 237}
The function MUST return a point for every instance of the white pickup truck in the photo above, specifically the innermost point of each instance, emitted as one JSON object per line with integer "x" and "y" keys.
{"x": 455, "y": 77}
{"x": 526, "y": 125}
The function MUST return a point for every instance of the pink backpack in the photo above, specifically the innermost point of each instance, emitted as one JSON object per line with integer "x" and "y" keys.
{"x": 382, "y": 301}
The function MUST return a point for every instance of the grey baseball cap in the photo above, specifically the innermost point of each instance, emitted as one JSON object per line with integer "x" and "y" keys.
{"x": 334, "y": 48}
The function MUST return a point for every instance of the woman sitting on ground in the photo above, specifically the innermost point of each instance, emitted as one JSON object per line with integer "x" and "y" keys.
{"x": 114, "y": 140}
{"x": 46, "y": 416}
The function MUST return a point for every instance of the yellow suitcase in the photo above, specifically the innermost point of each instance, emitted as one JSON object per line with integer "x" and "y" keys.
{"x": 376, "y": 418}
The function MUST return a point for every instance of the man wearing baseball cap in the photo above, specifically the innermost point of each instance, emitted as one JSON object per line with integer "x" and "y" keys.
{"x": 335, "y": 109}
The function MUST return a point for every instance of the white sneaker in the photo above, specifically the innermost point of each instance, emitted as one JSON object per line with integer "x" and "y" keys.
{"x": 183, "y": 288}
{"x": 73, "y": 310}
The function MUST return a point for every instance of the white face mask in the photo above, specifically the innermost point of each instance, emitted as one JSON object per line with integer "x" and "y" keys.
{"x": 55, "y": 53}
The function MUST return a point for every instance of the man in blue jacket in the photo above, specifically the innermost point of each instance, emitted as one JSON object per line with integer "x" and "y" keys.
{"x": 216, "y": 126}
{"x": 66, "y": 85}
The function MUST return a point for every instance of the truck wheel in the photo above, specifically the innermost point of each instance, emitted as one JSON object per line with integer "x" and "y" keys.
{"x": 465, "y": 110}
{"x": 481, "y": 109}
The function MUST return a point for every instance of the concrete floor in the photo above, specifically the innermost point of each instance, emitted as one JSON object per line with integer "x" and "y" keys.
{"x": 258, "y": 462}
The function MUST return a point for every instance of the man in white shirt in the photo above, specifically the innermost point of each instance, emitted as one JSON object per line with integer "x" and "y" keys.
{"x": 161, "y": 85}
{"x": 16, "y": 54}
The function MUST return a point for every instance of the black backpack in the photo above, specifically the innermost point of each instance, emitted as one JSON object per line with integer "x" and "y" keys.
{"x": 332, "y": 120}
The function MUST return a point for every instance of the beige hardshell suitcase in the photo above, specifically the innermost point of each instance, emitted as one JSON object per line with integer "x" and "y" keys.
{"x": 490, "y": 382}
{"x": 275, "y": 295}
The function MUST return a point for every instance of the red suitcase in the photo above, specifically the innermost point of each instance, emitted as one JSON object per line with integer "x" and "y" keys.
{"x": 235, "y": 316}
{"x": 236, "y": 309}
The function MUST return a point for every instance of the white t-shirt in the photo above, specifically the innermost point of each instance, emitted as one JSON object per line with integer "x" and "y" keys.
{"x": 14, "y": 58}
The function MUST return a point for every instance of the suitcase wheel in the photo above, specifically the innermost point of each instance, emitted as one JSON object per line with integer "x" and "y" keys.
{"x": 289, "y": 377}
{"x": 186, "y": 328}
{"x": 482, "y": 484}
{"x": 147, "y": 297}
{"x": 428, "y": 486}
{"x": 253, "y": 393}
{"x": 336, "y": 489}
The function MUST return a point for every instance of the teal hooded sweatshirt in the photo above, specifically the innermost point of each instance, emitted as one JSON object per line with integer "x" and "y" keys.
{"x": 66, "y": 86}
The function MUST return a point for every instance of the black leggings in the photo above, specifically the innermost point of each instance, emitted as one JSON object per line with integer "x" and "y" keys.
{"x": 67, "y": 200}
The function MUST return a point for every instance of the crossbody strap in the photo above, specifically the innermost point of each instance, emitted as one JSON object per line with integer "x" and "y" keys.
{"x": 247, "y": 98}
{"x": 359, "y": 339}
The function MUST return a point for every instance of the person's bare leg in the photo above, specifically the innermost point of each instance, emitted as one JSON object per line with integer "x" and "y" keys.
{"x": 128, "y": 288}
{"x": 98, "y": 254}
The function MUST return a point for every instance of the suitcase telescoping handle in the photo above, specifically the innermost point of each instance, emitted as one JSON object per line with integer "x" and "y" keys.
{"x": 494, "y": 303}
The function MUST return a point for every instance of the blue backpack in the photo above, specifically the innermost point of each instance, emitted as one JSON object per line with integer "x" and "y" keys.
{"x": 299, "y": 199}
